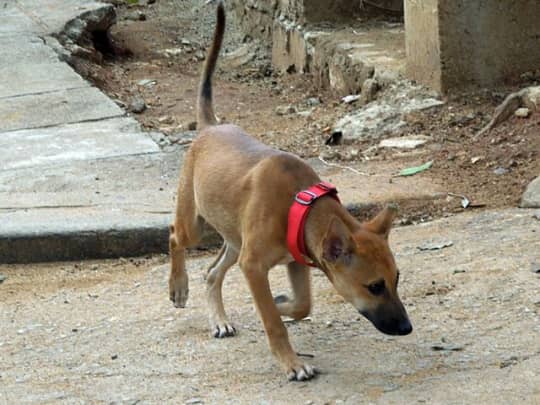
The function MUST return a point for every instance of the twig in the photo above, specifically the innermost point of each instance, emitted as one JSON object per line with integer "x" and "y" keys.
{"x": 342, "y": 167}
{"x": 504, "y": 111}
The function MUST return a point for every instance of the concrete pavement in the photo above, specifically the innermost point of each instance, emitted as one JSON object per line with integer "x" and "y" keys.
{"x": 78, "y": 177}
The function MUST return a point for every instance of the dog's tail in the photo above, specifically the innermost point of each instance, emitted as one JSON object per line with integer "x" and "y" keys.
{"x": 205, "y": 108}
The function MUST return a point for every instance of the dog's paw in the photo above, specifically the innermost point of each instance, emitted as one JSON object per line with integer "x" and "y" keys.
{"x": 223, "y": 330}
{"x": 179, "y": 298}
{"x": 179, "y": 292}
{"x": 301, "y": 372}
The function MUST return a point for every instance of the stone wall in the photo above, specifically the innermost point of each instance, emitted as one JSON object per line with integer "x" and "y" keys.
{"x": 457, "y": 43}
{"x": 255, "y": 17}
{"x": 317, "y": 36}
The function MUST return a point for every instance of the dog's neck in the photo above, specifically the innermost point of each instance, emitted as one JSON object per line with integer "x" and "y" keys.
{"x": 318, "y": 223}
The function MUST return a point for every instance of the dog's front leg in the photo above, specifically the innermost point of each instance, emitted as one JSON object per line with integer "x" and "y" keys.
{"x": 278, "y": 339}
{"x": 299, "y": 305}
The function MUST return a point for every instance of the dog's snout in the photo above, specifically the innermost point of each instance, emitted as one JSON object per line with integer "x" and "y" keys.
{"x": 400, "y": 325}
{"x": 404, "y": 327}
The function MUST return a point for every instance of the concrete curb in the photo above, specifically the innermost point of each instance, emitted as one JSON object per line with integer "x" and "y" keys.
{"x": 83, "y": 242}
{"x": 91, "y": 244}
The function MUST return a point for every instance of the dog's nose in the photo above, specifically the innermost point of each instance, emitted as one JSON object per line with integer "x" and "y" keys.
{"x": 404, "y": 327}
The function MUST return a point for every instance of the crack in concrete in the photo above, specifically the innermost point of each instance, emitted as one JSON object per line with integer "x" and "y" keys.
{"x": 39, "y": 93}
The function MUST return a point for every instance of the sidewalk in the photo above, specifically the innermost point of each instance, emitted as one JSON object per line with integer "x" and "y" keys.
{"x": 79, "y": 178}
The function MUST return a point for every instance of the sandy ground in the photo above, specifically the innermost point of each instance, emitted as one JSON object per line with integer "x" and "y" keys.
{"x": 105, "y": 332}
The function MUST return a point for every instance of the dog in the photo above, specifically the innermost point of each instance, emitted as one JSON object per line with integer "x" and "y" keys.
{"x": 245, "y": 190}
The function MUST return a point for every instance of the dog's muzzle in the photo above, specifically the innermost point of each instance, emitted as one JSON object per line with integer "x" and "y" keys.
{"x": 390, "y": 325}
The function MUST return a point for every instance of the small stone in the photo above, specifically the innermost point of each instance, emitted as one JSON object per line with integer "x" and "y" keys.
{"x": 447, "y": 347}
{"x": 522, "y": 112}
{"x": 137, "y": 105}
{"x": 200, "y": 55}
{"x": 136, "y": 16}
{"x": 305, "y": 114}
{"x": 285, "y": 109}
{"x": 329, "y": 154}
{"x": 527, "y": 76}
{"x": 511, "y": 361}
{"x": 499, "y": 171}
{"x": 166, "y": 119}
{"x": 185, "y": 41}
{"x": 532, "y": 97}
{"x": 350, "y": 98}
{"x": 535, "y": 268}
{"x": 313, "y": 101}
{"x": 147, "y": 82}
{"x": 3, "y": 277}
{"x": 192, "y": 126}
{"x": 329, "y": 324}
{"x": 476, "y": 159}
{"x": 193, "y": 401}
{"x": 114, "y": 357}
{"x": 531, "y": 196}
{"x": 171, "y": 52}
{"x": 369, "y": 90}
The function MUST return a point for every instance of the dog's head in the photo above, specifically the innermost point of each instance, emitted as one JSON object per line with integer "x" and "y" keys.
{"x": 361, "y": 267}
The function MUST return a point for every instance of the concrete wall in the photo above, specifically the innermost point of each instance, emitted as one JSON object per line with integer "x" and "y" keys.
{"x": 453, "y": 44}
{"x": 422, "y": 41}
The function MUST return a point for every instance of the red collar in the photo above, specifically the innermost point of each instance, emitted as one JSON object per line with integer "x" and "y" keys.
{"x": 298, "y": 213}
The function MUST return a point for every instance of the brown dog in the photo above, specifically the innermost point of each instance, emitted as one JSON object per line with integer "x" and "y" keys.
{"x": 244, "y": 189}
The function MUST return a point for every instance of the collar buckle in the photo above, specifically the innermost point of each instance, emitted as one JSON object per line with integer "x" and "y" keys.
{"x": 299, "y": 197}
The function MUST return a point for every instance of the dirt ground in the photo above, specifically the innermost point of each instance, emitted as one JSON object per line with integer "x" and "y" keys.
{"x": 105, "y": 331}
{"x": 166, "y": 42}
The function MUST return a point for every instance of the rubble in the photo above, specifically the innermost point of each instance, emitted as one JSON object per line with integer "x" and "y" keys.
{"x": 387, "y": 113}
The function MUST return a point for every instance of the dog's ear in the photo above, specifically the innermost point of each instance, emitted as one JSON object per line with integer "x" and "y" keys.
{"x": 337, "y": 241}
{"x": 382, "y": 223}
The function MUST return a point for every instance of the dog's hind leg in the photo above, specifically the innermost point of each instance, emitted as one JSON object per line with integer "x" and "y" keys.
{"x": 178, "y": 278}
{"x": 299, "y": 306}
{"x": 185, "y": 232}
{"x": 219, "y": 324}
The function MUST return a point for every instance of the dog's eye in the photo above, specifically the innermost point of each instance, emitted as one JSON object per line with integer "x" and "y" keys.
{"x": 376, "y": 288}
